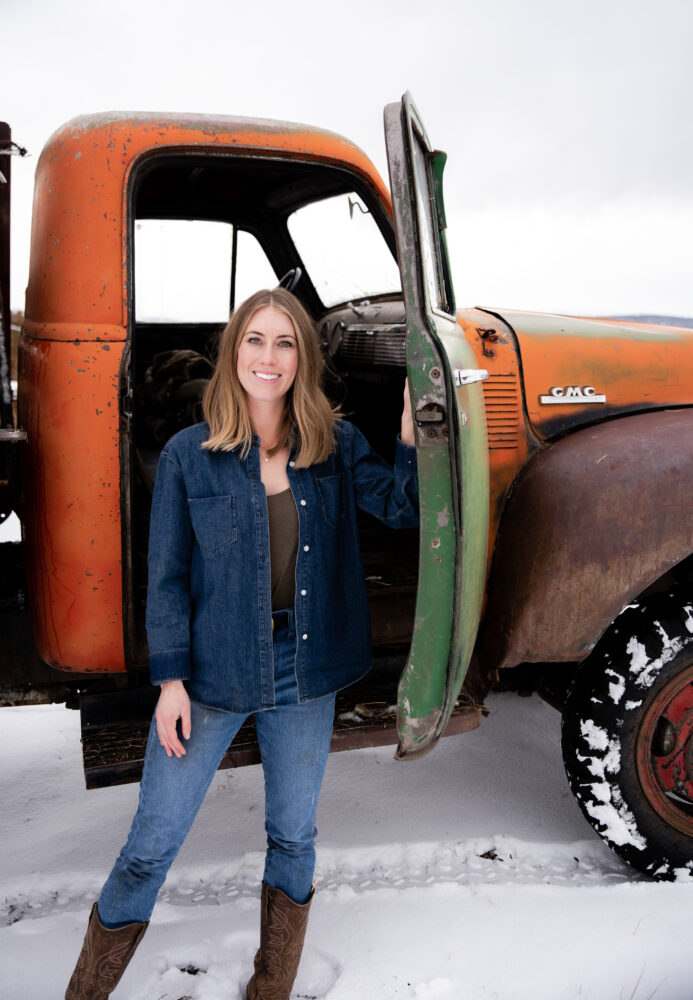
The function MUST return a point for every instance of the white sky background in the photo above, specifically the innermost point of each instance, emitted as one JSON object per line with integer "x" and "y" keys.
{"x": 569, "y": 184}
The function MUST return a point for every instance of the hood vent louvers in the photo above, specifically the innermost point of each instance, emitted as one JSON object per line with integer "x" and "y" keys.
{"x": 503, "y": 410}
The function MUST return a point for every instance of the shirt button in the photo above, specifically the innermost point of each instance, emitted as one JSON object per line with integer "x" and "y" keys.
{"x": 306, "y": 547}
{"x": 292, "y": 463}
{"x": 303, "y": 503}
{"x": 303, "y": 593}
{"x": 305, "y": 635}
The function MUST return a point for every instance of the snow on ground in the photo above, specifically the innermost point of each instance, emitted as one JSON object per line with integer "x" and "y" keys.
{"x": 467, "y": 875}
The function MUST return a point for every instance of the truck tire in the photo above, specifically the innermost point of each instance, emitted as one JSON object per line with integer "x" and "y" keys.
{"x": 627, "y": 736}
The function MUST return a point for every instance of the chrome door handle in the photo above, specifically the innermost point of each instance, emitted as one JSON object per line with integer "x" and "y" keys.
{"x": 465, "y": 376}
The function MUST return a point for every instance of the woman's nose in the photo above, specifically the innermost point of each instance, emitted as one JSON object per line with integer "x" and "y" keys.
{"x": 267, "y": 354}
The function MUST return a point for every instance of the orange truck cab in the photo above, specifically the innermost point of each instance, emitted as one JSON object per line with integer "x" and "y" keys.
{"x": 554, "y": 453}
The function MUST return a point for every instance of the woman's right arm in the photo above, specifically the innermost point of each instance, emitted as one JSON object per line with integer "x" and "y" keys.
{"x": 168, "y": 590}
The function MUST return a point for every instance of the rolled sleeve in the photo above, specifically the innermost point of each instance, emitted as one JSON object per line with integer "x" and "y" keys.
{"x": 169, "y": 665}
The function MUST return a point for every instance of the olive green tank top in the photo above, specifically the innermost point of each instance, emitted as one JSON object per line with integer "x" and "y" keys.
{"x": 283, "y": 533}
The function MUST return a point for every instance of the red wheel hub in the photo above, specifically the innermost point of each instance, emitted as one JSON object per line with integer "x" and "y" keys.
{"x": 665, "y": 752}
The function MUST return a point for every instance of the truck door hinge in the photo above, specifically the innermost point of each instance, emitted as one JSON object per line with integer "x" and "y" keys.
{"x": 465, "y": 376}
{"x": 126, "y": 396}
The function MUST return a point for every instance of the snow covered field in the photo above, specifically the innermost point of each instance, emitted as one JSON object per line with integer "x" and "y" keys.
{"x": 467, "y": 875}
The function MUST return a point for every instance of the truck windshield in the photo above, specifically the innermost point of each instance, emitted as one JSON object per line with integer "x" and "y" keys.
{"x": 343, "y": 250}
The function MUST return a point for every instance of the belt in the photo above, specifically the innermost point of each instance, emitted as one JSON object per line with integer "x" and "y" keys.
{"x": 280, "y": 620}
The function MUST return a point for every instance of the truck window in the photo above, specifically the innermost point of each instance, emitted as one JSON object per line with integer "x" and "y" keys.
{"x": 253, "y": 270}
{"x": 183, "y": 270}
{"x": 435, "y": 276}
{"x": 343, "y": 249}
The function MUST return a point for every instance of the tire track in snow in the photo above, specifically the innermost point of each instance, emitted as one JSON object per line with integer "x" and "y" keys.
{"x": 469, "y": 864}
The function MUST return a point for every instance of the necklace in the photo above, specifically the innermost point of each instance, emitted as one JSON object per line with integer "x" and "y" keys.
{"x": 264, "y": 453}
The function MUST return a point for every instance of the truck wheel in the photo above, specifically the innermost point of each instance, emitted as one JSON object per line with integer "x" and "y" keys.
{"x": 628, "y": 736}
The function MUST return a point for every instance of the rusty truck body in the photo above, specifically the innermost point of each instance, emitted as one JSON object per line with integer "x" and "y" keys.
{"x": 554, "y": 452}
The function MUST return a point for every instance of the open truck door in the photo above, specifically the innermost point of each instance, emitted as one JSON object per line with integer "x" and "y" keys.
{"x": 451, "y": 442}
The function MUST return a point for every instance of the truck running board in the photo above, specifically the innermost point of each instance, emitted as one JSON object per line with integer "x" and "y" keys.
{"x": 115, "y": 726}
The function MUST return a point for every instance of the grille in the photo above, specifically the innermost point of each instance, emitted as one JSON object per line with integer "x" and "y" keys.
{"x": 374, "y": 345}
{"x": 503, "y": 410}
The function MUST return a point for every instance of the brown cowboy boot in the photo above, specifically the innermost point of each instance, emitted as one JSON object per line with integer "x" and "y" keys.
{"x": 282, "y": 932}
{"x": 103, "y": 959}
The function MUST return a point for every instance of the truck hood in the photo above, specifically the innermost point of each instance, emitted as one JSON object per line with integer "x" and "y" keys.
{"x": 577, "y": 371}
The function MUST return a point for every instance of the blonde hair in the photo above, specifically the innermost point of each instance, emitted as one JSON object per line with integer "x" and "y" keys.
{"x": 308, "y": 415}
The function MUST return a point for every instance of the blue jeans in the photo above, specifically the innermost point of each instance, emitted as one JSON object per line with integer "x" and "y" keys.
{"x": 294, "y": 741}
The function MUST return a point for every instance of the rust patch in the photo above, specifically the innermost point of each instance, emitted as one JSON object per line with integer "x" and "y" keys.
{"x": 582, "y": 535}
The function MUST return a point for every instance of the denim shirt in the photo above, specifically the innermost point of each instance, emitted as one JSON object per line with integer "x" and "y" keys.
{"x": 208, "y": 602}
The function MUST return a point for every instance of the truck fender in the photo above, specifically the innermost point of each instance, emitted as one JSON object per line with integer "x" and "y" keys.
{"x": 591, "y": 522}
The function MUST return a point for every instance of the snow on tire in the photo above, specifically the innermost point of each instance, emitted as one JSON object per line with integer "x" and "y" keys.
{"x": 628, "y": 736}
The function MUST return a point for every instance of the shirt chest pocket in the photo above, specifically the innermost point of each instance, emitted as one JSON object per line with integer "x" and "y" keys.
{"x": 214, "y": 522}
{"x": 331, "y": 490}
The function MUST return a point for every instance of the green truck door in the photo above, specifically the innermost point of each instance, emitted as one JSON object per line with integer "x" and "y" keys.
{"x": 451, "y": 442}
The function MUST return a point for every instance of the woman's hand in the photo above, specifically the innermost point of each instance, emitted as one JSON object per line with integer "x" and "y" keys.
{"x": 407, "y": 431}
{"x": 173, "y": 704}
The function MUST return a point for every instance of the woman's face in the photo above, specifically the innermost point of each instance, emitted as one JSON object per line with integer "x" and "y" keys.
{"x": 267, "y": 355}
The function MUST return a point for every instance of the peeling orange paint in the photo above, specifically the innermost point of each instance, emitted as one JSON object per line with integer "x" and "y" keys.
{"x": 71, "y": 486}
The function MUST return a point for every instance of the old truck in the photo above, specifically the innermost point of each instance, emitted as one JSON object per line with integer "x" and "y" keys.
{"x": 555, "y": 453}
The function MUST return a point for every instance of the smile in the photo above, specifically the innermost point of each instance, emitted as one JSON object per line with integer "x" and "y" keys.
{"x": 266, "y": 377}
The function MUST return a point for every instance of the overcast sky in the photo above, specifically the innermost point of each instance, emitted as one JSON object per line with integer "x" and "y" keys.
{"x": 569, "y": 184}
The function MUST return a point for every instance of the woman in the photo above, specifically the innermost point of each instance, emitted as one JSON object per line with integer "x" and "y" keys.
{"x": 256, "y": 604}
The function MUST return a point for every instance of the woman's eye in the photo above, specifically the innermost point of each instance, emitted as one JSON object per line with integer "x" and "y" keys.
{"x": 252, "y": 339}
{"x": 286, "y": 343}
